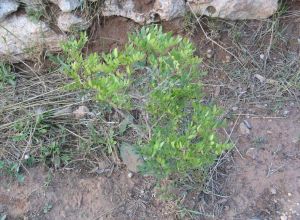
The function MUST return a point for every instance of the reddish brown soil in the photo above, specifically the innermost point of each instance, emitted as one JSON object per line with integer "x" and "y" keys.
{"x": 260, "y": 180}
{"x": 70, "y": 195}
{"x": 264, "y": 181}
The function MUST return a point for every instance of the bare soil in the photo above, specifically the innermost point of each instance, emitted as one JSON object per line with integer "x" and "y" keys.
{"x": 264, "y": 179}
{"x": 71, "y": 195}
{"x": 258, "y": 180}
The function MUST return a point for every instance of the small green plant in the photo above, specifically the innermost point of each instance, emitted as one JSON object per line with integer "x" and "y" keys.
{"x": 6, "y": 76}
{"x": 156, "y": 76}
{"x": 48, "y": 137}
{"x": 12, "y": 169}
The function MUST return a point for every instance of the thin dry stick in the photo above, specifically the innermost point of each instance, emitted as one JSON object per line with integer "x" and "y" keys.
{"x": 210, "y": 39}
{"x": 269, "y": 47}
{"x": 229, "y": 136}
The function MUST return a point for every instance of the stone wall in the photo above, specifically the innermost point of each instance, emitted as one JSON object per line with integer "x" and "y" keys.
{"x": 24, "y": 34}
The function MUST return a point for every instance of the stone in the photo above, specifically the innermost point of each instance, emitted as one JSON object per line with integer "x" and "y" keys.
{"x": 69, "y": 22}
{"x": 161, "y": 10}
{"x": 244, "y": 129}
{"x": 168, "y": 9}
{"x": 247, "y": 123}
{"x": 273, "y": 191}
{"x": 67, "y": 5}
{"x": 283, "y": 217}
{"x": 234, "y": 9}
{"x": 22, "y": 39}
{"x": 130, "y": 157}
{"x": 81, "y": 112}
{"x": 130, "y": 175}
{"x": 251, "y": 153}
{"x": 7, "y": 7}
{"x": 124, "y": 9}
{"x": 285, "y": 113}
{"x": 235, "y": 108}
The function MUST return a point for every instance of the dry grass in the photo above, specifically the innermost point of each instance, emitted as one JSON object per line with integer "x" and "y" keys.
{"x": 264, "y": 71}
{"x": 37, "y": 120}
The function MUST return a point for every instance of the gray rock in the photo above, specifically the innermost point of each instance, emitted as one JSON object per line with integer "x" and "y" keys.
{"x": 23, "y": 39}
{"x": 247, "y": 123}
{"x": 273, "y": 191}
{"x": 244, "y": 129}
{"x": 69, "y": 22}
{"x": 234, "y": 9}
{"x": 67, "y": 5}
{"x": 169, "y": 9}
{"x": 124, "y": 9}
{"x": 130, "y": 157}
{"x": 161, "y": 10}
{"x": 251, "y": 153}
{"x": 7, "y": 7}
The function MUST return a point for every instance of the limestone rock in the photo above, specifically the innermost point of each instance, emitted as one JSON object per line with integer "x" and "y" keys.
{"x": 234, "y": 9}
{"x": 7, "y": 7}
{"x": 22, "y": 38}
{"x": 244, "y": 130}
{"x": 124, "y": 9}
{"x": 145, "y": 11}
{"x": 169, "y": 9}
{"x": 69, "y": 22}
{"x": 67, "y": 5}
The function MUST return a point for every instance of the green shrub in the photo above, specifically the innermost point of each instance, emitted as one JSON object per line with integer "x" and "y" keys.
{"x": 156, "y": 75}
{"x": 6, "y": 76}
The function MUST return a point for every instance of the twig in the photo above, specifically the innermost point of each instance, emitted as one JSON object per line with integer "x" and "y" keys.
{"x": 212, "y": 40}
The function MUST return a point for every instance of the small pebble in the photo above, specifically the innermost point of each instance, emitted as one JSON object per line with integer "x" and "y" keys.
{"x": 273, "y": 191}
{"x": 209, "y": 55}
{"x": 289, "y": 194}
{"x": 130, "y": 175}
{"x": 244, "y": 129}
{"x": 248, "y": 125}
{"x": 251, "y": 153}
{"x": 285, "y": 113}
{"x": 228, "y": 58}
{"x": 81, "y": 112}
